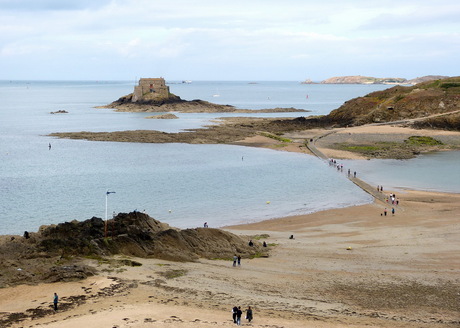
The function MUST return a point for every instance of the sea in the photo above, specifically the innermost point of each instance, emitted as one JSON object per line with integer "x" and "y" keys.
{"x": 46, "y": 180}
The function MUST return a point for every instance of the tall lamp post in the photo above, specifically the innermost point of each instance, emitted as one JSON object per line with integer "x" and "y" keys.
{"x": 106, "y": 200}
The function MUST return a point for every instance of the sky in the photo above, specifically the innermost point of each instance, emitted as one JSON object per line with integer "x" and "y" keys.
{"x": 242, "y": 40}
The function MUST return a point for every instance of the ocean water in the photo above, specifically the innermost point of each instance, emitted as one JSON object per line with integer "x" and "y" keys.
{"x": 183, "y": 185}
{"x": 437, "y": 171}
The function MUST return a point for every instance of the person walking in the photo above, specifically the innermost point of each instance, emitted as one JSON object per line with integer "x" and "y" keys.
{"x": 249, "y": 314}
{"x": 393, "y": 211}
{"x": 239, "y": 260}
{"x": 235, "y": 258}
{"x": 234, "y": 312}
{"x": 55, "y": 301}
{"x": 238, "y": 316}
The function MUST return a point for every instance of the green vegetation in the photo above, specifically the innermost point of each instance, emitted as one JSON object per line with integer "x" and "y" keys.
{"x": 398, "y": 98}
{"x": 281, "y": 139}
{"x": 452, "y": 82}
{"x": 130, "y": 263}
{"x": 422, "y": 141}
{"x": 411, "y": 147}
{"x": 262, "y": 236}
{"x": 258, "y": 255}
{"x": 171, "y": 274}
{"x": 64, "y": 258}
{"x": 447, "y": 85}
{"x": 365, "y": 149}
{"x": 380, "y": 150}
{"x": 112, "y": 262}
{"x": 98, "y": 258}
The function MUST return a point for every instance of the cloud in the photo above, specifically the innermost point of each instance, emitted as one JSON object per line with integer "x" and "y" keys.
{"x": 208, "y": 37}
{"x": 421, "y": 16}
{"x": 47, "y": 5}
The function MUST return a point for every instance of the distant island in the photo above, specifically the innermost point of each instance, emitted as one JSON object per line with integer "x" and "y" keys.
{"x": 358, "y": 79}
{"x": 153, "y": 95}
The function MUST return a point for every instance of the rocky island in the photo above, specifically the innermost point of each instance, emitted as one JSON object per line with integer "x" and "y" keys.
{"x": 153, "y": 95}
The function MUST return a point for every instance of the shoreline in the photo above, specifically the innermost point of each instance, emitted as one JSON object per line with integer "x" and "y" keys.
{"x": 345, "y": 267}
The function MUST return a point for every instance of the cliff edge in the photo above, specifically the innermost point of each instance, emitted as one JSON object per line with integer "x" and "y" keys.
{"x": 424, "y": 100}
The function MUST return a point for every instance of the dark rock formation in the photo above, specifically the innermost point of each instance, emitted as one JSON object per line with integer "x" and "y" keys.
{"x": 172, "y": 103}
{"x": 139, "y": 235}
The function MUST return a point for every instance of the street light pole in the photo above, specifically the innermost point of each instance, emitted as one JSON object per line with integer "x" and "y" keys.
{"x": 106, "y": 200}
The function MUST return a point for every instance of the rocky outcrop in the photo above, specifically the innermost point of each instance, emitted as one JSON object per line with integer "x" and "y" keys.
{"x": 53, "y": 253}
{"x": 426, "y": 79}
{"x": 176, "y": 104}
{"x": 163, "y": 117}
{"x": 400, "y": 103}
{"x": 140, "y": 235}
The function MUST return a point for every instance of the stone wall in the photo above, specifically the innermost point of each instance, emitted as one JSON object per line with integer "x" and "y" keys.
{"x": 150, "y": 89}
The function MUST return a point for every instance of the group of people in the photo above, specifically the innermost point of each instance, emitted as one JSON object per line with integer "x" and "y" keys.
{"x": 392, "y": 211}
{"x": 333, "y": 162}
{"x": 391, "y": 197}
{"x": 236, "y": 260}
{"x": 237, "y": 313}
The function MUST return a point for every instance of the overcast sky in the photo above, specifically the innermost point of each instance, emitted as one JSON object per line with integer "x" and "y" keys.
{"x": 227, "y": 40}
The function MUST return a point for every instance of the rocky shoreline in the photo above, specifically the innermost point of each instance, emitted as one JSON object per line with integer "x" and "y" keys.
{"x": 176, "y": 104}
{"x": 55, "y": 252}
{"x": 297, "y": 132}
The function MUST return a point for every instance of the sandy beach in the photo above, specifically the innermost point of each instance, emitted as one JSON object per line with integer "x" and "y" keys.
{"x": 350, "y": 267}
{"x": 347, "y": 267}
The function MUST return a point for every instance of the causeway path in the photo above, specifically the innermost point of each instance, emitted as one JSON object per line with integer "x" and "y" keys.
{"x": 360, "y": 183}
{"x": 357, "y": 181}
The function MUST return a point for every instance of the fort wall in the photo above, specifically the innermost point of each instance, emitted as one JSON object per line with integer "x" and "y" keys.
{"x": 150, "y": 89}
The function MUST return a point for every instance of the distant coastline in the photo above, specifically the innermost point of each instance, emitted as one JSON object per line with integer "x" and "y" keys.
{"x": 358, "y": 79}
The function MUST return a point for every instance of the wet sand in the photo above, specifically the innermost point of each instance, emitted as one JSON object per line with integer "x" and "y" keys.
{"x": 348, "y": 267}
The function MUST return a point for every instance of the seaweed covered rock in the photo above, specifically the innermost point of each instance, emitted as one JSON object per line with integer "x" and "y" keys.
{"x": 54, "y": 253}
{"x": 135, "y": 234}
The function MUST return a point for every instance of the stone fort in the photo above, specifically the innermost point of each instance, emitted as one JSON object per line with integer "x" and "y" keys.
{"x": 150, "y": 89}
